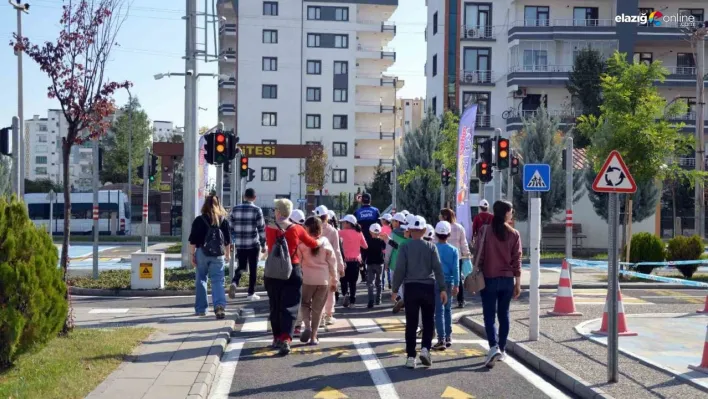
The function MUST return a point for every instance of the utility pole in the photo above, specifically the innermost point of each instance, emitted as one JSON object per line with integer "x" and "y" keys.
{"x": 220, "y": 182}
{"x": 20, "y": 157}
{"x": 395, "y": 138}
{"x": 509, "y": 185}
{"x": 95, "y": 207}
{"x": 569, "y": 201}
{"x": 130, "y": 154}
{"x": 235, "y": 200}
{"x": 700, "y": 211}
{"x": 146, "y": 187}
{"x": 497, "y": 176}
{"x": 16, "y": 159}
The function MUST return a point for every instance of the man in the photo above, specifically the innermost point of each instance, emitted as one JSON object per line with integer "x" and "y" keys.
{"x": 248, "y": 236}
{"x": 482, "y": 218}
{"x": 366, "y": 215}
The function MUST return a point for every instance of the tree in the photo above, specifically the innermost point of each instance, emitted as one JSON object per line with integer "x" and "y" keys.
{"x": 317, "y": 169}
{"x": 75, "y": 65}
{"x": 117, "y": 144}
{"x": 380, "y": 188}
{"x": 5, "y": 177}
{"x": 447, "y": 149}
{"x": 541, "y": 141}
{"x": 420, "y": 178}
{"x": 584, "y": 86}
{"x": 42, "y": 186}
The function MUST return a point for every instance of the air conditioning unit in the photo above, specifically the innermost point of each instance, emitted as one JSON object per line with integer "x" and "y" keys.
{"x": 472, "y": 33}
{"x": 469, "y": 77}
{"x": 520, "y": 92}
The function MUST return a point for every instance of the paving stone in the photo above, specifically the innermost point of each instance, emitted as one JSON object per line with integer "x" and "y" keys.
{"x": 177, "y": 378}
{"x": 185, "y": 365}
{"x": 167, "y": 392}
{"x": 140, "y": 370}
{"x": 123, "y": 388}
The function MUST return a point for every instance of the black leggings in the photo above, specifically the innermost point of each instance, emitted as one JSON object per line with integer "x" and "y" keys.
{"x": 351, "y": 275}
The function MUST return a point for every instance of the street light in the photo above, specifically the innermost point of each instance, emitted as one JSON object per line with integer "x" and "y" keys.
{"x": 18, "y": 159}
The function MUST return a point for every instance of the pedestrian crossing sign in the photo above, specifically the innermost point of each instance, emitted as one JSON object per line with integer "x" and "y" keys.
{"x": 146, "y": 270}
{"x": 537, "y": 177}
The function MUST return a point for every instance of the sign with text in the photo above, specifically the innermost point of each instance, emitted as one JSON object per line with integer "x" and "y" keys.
{"x": 276, "y": 150}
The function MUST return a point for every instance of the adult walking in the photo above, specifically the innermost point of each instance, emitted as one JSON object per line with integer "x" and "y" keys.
{"x": 209, "y": 241}
{"x": 284, "y": 295}
{"x": 499, "y": 257}
{"x": 248, "y": 234}
{"x": 457, "y": 239}
{"x": 483, "y": 218}
{"x": 366, "y": 215}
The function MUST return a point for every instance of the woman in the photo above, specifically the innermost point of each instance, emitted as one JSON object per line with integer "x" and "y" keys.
{"x": 319, "y": 275}
{"x": 457, "y": 239}
{"x": 212, "y": 216}
{"x": 284, "y": 295}
{"x": 499, "y": 251}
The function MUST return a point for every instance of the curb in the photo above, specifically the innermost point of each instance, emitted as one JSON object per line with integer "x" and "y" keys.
{"x": 202, "y": 386}
{"x": 543, "y": 365}
{"x": 644, "y": 286}
{"x": 117, "y": 292}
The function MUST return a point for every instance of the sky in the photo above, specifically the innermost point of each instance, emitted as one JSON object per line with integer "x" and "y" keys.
{"x": 151, "y": 41}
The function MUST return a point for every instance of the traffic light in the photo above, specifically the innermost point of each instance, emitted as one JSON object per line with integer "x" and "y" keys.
{"x": 209, "y": 148}
{"x": 251, "y": 174}
{"x": 220, "y": 146}
{"x": 445, "y": 177}
{"x": 514, "y": 165}
{"x": 484, "y": 171}
{"x": 153, "y": 167}
{"x": 485, "y": 151}
{"x": 6, "y": 141}
{"x": 502, "y": 153}
{"x": 244, "y": 167}
{"x": 100, "y": 159}
{"x": 227, "y": 167}
{"x": 232, "y": 149}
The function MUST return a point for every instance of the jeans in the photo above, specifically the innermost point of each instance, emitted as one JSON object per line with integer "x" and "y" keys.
{"x": 247, "y": 256}
{"x": 351, "y": 275}
{"x": 213, "y": 267}
{"x": 284, "y": 302}
{"x": 420, "y": 298}
{"x": 443, "y": 312}
{"x": 373, "y": 281}
{"x": 461, "y": 288}
{"x": 496, "y": 298}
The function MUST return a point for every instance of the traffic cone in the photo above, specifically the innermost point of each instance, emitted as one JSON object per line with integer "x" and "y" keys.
{"x": 703, "y": 367}
{"x": 565, "y": 305}
{"x": 621, "y": 320}
{"x": 705, "y": 307}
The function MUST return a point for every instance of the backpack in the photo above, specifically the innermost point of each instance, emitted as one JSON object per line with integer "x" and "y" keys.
{"x": 278, "y": 265}
{"x": 214, "y": 244}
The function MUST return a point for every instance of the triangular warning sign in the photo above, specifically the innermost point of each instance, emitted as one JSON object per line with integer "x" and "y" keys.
{"x": 536, "y": 181}
{"x": 146, "y": 271}
{"x": 614, "y": 176}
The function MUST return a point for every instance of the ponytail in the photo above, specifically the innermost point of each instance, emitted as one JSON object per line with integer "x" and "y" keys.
{"x": 357, "y": 227}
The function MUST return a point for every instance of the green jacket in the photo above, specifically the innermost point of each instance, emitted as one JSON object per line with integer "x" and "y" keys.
{"x": 395, "y": 241}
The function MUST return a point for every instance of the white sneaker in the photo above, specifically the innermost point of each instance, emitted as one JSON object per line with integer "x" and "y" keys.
{"x": 254, "y": 297}
{"x": 411, "y": 363}
{"x": 492, "y": 356}
{"x": 502, "y": 357}
{"x": 425, "y": 357}
{"x": 330, "y": 320}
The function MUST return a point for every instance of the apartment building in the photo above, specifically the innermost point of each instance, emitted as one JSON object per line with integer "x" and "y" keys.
{"x": 307, "y": 71}
{"x": 410, "y": 113}
{"x": 163, "y": 131}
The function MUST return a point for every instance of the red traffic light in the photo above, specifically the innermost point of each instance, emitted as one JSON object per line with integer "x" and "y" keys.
{"x": 484, "y": 165}
{"x": 503, "y": 143}
{"x": 220, "y": 138}
{"x": 515, "y": 161}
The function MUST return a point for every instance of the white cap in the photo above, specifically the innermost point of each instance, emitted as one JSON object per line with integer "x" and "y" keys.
{"x": 331, "y": 214}
{"x": 417, "y": 223}
{"x": 404, "y": 227}
{"x": 399, "y": 217}
{"x": 375, "y": 228}
{"x": 387, "y": 217}
{"x": 483, "y": 203}
{"x": 410, "y": 219}
{"x": 443, "y": 227}
{"x": 349, "y": 218}
{"x": 429, "y": 231}
{"x": 297, "y": 216}
{"x": 321, "y": 211}
{"x": 405, "y": 212}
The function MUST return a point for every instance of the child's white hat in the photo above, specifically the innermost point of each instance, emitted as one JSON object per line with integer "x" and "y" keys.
{"x": 399, "y": 217}
{"x": 429, "y": 231}
{"x": 443, "y": 228}
{"x": 321, "y": 211}
{"x": 297, "y": 216}
{"x": 349, "y": 219}
{"x": 375, "y": 228}
{"x": 387, "y": 217}
{"x": 417, "y": 223}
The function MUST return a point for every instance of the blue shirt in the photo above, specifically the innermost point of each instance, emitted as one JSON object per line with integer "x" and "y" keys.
{"x": 367, "y": 215}
{"x": 450, "y": 260}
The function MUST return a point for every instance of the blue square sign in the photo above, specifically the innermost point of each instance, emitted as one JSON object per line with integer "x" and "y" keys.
{"x": 537, "y": 177}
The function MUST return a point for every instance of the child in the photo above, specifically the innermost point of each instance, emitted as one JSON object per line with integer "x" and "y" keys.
{"x": 297, "y": 217}
{"x": 374, "y": 266}
{"x": 429, "y": 233}
{"x": 418, "y": 269}
{"x": 450, "y": 259}
{"x": 352, "y": 242}
{"x": 397, "y": 238}
{"x": 386, "y": 225}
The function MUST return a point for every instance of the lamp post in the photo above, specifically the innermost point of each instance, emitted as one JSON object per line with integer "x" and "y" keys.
{"x": 18, "y": 159}
{"x": 130, "y": 153}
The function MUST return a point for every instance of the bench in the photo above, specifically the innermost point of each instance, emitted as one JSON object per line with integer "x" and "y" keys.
{"x": 553, "y": 236}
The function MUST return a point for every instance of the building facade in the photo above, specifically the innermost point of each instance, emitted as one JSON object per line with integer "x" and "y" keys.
{"x": 410, "y": 113}
{"x": 310, "y": 71}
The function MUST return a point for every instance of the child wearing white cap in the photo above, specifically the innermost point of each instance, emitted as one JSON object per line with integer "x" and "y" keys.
{"x": 353, "y": 242}
{"x": 297, "y": 216}
{"x": 398, "y": 236}
{"x": 374, "y": 264}
{"x": 450, "y": 259}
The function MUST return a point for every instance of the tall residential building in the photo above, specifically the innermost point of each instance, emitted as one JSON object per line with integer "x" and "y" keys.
{"x": 163, "y": 131}
{"x": 410, "y": 112}
{"x": 310, "y": 71}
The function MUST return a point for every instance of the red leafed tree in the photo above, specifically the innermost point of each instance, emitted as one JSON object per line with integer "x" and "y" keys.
{"x": 75, "y": 65}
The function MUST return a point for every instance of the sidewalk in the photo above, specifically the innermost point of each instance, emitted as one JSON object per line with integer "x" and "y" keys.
{"x": 178, "y": 361}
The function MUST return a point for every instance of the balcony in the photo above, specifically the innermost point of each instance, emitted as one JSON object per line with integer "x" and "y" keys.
{"x": 228, "y": 55}
{"x": 479, "y": 78}
{"x": 227, "y": 29}
{"x": 689, "y": 122}
{"x": 372, "y": 26}
{"x": 376, "y": 53}
{"x": 668, "y": 30}
{"x": 680, "y": 77}
{"x": 227, "y": 83}
{"x": 477, "y": 32}
{"x": 227, "y": 109}
{"x": 374, "y": 107}
{"x": 538, "y": 75}
{"x": 377, "y": 80}
{"x": 562, "y": 29}
{"x": 366, "y": 133}
{"x": 484, "y": 122}
{"x": 373, "y": 159}
{"x": 514, "y": 121}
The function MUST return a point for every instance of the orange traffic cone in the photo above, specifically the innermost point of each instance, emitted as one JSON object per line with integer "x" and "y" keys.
{"x": 621, "y": 320}
{"x": 565, "y": 305}
{"x": 705, "y": 307}
{"x": 703, "y": 367}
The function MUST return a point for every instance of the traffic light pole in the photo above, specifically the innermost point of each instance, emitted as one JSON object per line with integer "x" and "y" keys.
{"x": 497, "y": 176}
{"x": 220, "y": 181}
{"x": 442, "y": 189}
{"x": 95, "y": 207}
{"x": 235, "y": 200}
{"x": 16, "y": 159}
{"x": 146, "y": 186}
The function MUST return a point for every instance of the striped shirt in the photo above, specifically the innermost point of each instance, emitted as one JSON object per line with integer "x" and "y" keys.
{"x": 247, "y": 226}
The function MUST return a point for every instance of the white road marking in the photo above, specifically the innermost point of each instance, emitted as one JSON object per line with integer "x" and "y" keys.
{"x": 365, "y": 326}
{"x": 248, "y": 312}
{"x": 255, "y": 324}
{"x": 221, "y": 388}
{"x": 372, "y": 340}
{"x": 378, "y": 373}
{"x": 105, "y": 311}
{"x": 624, "y": 303}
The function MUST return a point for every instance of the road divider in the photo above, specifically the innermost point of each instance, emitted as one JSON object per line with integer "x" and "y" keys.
{"x": 688, "y": 283}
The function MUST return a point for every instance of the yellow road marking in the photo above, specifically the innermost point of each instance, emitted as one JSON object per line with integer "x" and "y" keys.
{"x": 391, "y": 325}
{"x": 679, "y": 295}
{"x": 330, "y": 393}
{"x": 454, "y": 393}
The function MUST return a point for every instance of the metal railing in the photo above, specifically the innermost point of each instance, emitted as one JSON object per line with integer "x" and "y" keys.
{"x": 231, "y": 28}
{"x": 553, "y": 112}
{"x": 540, "y": 68}
{"x": 682, "y": 70}
{"x": 359, "y": 47}
{"x": 477, "y": 32}
{"x": 477, "y": 77}
{"x": 564, "y": 22}
{"x": 484, "y": 121}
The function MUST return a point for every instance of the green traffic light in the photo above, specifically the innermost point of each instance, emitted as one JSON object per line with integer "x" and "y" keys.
{"x": 152, "y": 178}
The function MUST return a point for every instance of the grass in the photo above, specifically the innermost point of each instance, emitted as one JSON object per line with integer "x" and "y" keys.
{"x": 128, "y": 239}
{"x": 70, "y": 367}
{"x": 175, "y": 279}
{"x": 174, "y": 249}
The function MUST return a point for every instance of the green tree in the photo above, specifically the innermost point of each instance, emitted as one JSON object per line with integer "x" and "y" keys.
{"x": 447, "y": 149}
{"x": 117, "y": 143}
{"x": 584, "y": 86}
{"x": 5, "y": 176}
{"x": 541, "y": 141}
{"x": 380, "y": 188}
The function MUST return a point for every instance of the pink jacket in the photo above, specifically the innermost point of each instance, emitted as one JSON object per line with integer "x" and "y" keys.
{"x": 352, "y": 242}
{"x": 332, "y": 235}
{"x": 320, "y": 269}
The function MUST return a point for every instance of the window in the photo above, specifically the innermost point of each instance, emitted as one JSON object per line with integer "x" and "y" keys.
{"x": 341, "y": 14}
{"x": 40, "y": 160}
{"x": 696, "y": 13}
{"x": 339, "y": 175}
{"x": 481, "y": 99}
{"x": 270, "y": 64}
{"x": 535, "y": 60}
{"x": 435, "y": 105}
{"x": 340, "y": 122}
{"x": 43, "y": 170}
{"x": 536, "y": 16}
{"x": 339, "y": 149}
{"x": 269, "y": 142}
{"x": 435, "y": 23}
{"x": 314, "y": 67}
{"x": 313, "y": 40}
{"x": 341, "y": 41}
{"x": 478, "y": 20}
{"x": 314, "y": 13}
{"x": 42, "y": 128}
{"x": 478, "y": 60}
{"x": 314, "y": 94}
{"x": 340, "y": 95}
{"x": 40, "y": 149}
{"x": 42, "y": 138}
{"x": 269, "y": 91}
{"x": 270, "y": 8}
{"x": 268, "y": 174}
{"x": 585, "y": 16}
{"x": 269, "y": 119}
{"x": 270, "y": 36}
{"x": 341, "y": 67}
{"x": 435, "y": 65}
{"x": 313, "y": 121}
{"x": 685, "y": 64}
{"x": 646, "y": 58}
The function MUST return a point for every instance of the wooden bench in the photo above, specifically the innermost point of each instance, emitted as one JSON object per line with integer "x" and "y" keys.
{"x": 553, "y": 236}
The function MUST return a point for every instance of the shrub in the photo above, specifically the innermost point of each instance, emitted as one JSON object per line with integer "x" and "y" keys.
{"x": 646, "y": 247}
{"x": 32, "y": 304}
{"x": 685, "y": 248}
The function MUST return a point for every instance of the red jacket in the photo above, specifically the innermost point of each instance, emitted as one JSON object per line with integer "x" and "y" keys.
{"x": 480, "y": 220}
{"x": 294, "y": 235}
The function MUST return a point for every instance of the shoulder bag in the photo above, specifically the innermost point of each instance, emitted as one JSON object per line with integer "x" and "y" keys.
{"x": 278, "y": 265}
{"x": 474, "y": 283}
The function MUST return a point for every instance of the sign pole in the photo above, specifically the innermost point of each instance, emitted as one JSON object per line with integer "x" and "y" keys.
{"x": 146, "y": 188}
{"x": 535, "y": 252}
{"x": 569, "y": 203}
{"x": 96, "y": 227}
{"x": 612, "y": 337}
